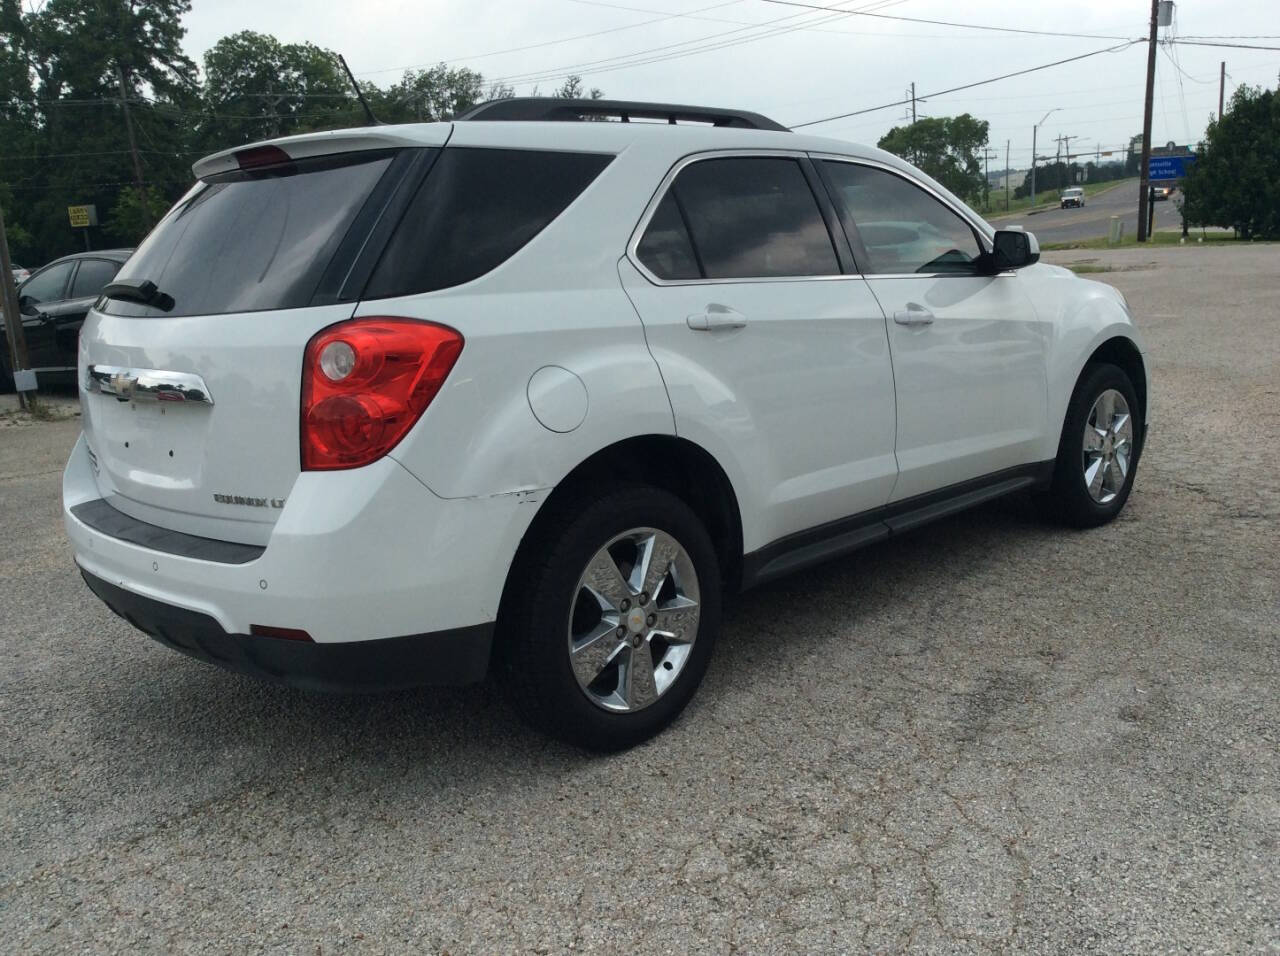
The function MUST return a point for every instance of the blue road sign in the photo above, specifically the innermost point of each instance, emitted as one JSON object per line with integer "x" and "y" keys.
{"x": 1168, "y": 167}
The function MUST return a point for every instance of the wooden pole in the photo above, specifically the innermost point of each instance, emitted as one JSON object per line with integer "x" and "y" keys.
{"x": 1144, "y": 183}
{"x": 133, "y": 148}
{"x": 12, "y": 315}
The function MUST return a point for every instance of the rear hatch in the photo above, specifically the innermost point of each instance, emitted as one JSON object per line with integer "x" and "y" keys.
{"x": 191, "y": 376}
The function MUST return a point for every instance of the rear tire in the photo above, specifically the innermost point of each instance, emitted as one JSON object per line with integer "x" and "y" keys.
{"x": 6, "y": 376}
{"x": 1098, "y": 451}
{"x": 586, "y": 652}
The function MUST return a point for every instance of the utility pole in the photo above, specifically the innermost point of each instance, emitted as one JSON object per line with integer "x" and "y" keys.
{"x": 133, "y": 149}
{"x": 1007, "y": 175}
{"x": 913, "y": 102}
{"x": 1144, "y": 171}
{"x": 1066, "y": 171}
{"x": 1222, "y": 87}
{"x": 12, "y": 316}
{"x": 1033, "y": 153}
{"x": 986, "y": 175}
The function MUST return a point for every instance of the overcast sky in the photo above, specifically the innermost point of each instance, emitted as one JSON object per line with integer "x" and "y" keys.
{"x": 796, "y": 64}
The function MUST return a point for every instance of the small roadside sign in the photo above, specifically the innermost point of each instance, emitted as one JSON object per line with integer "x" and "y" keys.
{"x": 82, "y": 216}
{"x": 1168, "y": 167}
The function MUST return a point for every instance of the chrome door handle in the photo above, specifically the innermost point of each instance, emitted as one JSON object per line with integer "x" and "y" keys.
{"x": 913, "y": 316}
{"x": 146, "y": 384}
{"x": 716, "y": 317}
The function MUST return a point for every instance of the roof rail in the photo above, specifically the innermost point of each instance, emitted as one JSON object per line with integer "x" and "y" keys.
{"x": 555, "y": 109}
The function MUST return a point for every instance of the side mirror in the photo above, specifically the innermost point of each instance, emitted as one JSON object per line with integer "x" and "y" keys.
{"x": 27, "y": 305}
{"x": 1014, "y": 249}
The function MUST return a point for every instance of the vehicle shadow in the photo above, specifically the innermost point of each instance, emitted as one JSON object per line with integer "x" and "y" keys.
{"x": 208, "y": 715}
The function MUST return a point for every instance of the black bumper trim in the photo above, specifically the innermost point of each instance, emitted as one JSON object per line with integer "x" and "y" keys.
{"x": 102, "y": 517}
{"x": 456, "y": 656}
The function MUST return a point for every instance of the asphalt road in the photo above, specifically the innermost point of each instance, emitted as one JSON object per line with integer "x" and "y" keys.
{"x": 1066, "y": 225}
{"x": 990, "y": 736}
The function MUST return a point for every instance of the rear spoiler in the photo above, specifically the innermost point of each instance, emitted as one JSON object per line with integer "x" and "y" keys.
{"x": 323, "y": 144}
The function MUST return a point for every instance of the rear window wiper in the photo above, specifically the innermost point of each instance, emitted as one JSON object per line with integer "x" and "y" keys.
{"x": 144, "y": 292}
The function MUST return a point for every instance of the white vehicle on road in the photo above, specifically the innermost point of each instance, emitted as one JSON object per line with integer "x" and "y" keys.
{"x": 410, "y": 404}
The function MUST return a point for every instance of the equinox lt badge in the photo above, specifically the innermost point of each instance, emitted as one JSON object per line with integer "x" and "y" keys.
{"x": 248, "y": 502}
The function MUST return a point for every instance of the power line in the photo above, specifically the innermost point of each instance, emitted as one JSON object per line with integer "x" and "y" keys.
{"x": 952, "y": 23}
{"x": 968, "y": 86}
{"x": 1186, "y": 42}
{"x": 547, "y": 43}
{"x": 858, "y": 33}
{"x": 108, "y": 152}
{"x": 717, "y": 42}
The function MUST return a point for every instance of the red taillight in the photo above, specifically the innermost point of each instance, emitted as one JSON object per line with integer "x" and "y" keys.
{"x": 256, "y": 156}
{"x": 365, "y": 383}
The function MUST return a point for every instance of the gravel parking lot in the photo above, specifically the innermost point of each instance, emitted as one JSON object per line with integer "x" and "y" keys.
{"x": 989, "y": 736}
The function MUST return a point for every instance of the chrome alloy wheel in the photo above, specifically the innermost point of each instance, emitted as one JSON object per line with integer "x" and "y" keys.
{"x": 1108, "y": 446}
{"x": 634, "y": 620}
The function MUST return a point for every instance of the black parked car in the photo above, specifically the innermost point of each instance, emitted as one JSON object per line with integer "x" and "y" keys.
{"x": 53, "y": 302}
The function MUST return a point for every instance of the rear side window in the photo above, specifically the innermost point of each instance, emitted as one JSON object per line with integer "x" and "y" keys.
{"x": 666, "y": 247}
{"x": 92, "y": 275}
{"x": 254, "y": 239}
{"x": 476, "y": 209}
{"x": 747, "y": 217}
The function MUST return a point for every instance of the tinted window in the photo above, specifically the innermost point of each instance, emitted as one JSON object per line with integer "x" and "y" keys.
{"x": 904, "y": 228}
{"x": 92, "y": 275}
{"x": 754, "y": 217}
{"x": 49, "y": 285}
{"x": 254, "y": 239}
{"x": 665, "y": 248}
{"x": 477, "y": 208}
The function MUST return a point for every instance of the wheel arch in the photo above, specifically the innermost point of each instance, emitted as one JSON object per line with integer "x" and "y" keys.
{"x": 1123, "y": 353}
{"x": 677, "y": 465}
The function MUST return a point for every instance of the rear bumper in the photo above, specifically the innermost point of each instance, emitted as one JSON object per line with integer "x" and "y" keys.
{"x": 458, "y": 656}
{"x": 369, "y": 562}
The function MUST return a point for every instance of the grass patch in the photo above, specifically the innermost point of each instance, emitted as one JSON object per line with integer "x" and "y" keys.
{"x": 1171, "y": 237}
{"x": 1085, "y": 268}
{"x": 38, "y": 411}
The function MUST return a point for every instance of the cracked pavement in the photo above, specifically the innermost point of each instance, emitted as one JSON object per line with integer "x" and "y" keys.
{"x": 989, "y": 736}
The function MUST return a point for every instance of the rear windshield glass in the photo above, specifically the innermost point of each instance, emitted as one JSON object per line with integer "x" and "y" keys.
{"x": 253, "y": 239}
{"x": 477, "y": 208}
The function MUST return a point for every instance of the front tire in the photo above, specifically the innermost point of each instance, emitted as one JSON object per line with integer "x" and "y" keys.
{"x": 1098, "y": 451}
{"x": 610, "y": 617}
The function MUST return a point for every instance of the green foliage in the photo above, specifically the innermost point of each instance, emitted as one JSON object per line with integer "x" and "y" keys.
{"x": 424, "y": 96}
{"x": 131, "y": 217}
{"x": 1053, "y": 177}
{"x": 572, "y": 89}
{"x": 62, "y": 133}
{"x": 257, "y": 87}
{"x": 1235, "y": 180}
{"x": 945, "y": 147}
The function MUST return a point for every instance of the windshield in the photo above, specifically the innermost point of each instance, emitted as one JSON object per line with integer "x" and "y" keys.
{"x": 252, "y": 239}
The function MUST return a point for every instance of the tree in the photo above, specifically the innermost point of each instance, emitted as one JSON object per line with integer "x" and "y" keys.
{"x": 442, "y": 92}
{"x": 130, "y": 220}
{"x": 945, "y": 147}
{"x": 1234, "y": 180}
{"x": 257, "y": 87}
{"x": 572, "y": 89}
{"x": 63, "y": 133}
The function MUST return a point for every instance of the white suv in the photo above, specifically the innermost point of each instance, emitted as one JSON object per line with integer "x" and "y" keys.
{"x": 406, "y": 404}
